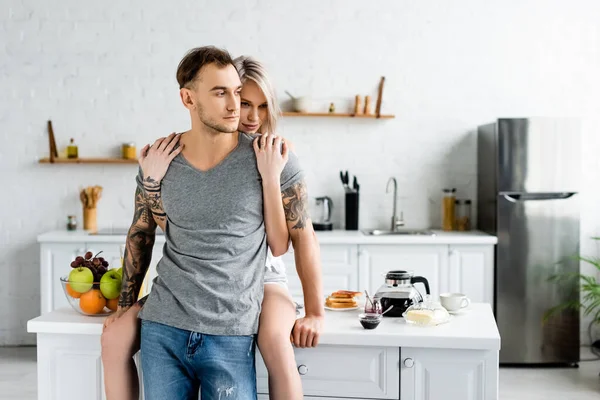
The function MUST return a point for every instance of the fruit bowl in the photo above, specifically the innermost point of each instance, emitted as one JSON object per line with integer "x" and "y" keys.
{"x": 88, "y": 298}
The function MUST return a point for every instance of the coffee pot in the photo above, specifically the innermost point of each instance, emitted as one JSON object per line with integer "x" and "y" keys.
{"x": 399, "y": 291}
{"x": 322, "y": 220}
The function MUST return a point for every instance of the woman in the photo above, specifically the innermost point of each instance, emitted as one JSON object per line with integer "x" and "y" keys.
{"x": 258, "y": 114}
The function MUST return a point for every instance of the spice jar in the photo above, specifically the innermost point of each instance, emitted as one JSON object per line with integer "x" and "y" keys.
{"x": 463, "y": 215}
{"x": 448, "y": 209}
{"x": 128, "y": 151}
{"x": 71, "y": 223}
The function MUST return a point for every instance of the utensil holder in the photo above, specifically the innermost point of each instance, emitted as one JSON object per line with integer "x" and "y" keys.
{"x": 90, "y": 220}
{"x": 352, "y": 211}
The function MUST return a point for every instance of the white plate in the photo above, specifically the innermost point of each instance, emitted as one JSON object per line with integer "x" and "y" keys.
{"x": 460, "y": 312}
{"x": 342, "y": 309}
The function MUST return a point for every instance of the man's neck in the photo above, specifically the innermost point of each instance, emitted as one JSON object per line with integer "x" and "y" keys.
{"x": 206, "y": 147}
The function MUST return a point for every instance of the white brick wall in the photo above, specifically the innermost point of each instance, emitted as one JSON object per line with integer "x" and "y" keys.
{"x": 104, "y": 73}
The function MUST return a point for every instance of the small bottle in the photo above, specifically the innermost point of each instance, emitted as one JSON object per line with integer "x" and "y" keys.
{"x": 448, "y": 209}
{"x": 331, "y": 108}
{"x": 71, "y": 223}
{"x": 463, "y": 215}
{"x": 72, "y": 151}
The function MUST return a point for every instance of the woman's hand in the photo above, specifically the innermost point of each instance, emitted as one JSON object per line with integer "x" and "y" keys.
{"x": 271, "y": 156}
{"x": 154, "y": 160}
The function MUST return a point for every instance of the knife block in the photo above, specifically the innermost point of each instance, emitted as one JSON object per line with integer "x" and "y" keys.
{"x": 90, "y": 220}
{"x": 352, "y": 211}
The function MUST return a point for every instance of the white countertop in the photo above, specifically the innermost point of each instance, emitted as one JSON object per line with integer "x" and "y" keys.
{"x": 475, "y": 329}
{"x": 332, "y": 237}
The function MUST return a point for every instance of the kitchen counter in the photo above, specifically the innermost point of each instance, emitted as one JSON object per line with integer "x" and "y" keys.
{"x": 454, "y": 361}
{"x": 474, "y": 329}
{"x": 332, "y": 237}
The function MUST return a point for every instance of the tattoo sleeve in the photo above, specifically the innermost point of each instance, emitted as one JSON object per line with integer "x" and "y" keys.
{"x": 138, "y": 250}
{"x": 295, "y": 205}
{"x": 154, "y": 199}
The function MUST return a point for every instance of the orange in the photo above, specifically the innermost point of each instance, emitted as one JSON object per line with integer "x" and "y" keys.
{"x": 113, "y": 304}
{"x": 72, "y": 293}
{"x": 92, "y": 302}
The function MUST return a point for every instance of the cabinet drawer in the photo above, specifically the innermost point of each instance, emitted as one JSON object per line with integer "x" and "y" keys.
{"x": 332, "y": 254}
{"x": 339, "y": 266}
{"x": 343, "y": 371}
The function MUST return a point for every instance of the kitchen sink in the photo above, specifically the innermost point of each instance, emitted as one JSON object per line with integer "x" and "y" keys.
{"x": 380, "y": 232}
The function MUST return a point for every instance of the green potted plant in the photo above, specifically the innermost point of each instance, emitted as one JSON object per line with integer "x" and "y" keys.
{"x": 589, "y": 299}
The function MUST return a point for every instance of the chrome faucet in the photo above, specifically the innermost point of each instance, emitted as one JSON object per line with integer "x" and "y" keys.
{"x": 396, "y": 222}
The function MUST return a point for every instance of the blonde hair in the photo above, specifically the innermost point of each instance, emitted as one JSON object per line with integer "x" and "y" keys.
{"x": 249, "y": 68}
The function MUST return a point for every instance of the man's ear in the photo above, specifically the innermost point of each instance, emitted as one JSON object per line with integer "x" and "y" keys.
{"x": 187, "y": 98}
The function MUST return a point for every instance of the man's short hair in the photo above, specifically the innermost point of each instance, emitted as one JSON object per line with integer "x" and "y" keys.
{"x": 195, "y": 59}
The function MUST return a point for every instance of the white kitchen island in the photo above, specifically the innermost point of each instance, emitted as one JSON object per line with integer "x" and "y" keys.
{"x": 454, "y": 361}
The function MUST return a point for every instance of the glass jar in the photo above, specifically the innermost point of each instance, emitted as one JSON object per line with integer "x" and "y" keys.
{"x": 463, "y": 215}
{"x": 128, "y": 151}
{"x": 71, "y": 223}
{"x": 448, "y": 209}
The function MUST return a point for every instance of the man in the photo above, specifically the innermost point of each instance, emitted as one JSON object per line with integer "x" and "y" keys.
{"x": 200, "y": 320}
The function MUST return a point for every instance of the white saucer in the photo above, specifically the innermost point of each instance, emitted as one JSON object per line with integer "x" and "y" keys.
{"x": 460, "y": 312}
{"x": 342, "y": 309}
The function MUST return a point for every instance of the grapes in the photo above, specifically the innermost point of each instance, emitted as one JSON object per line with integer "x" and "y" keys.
{"x": 96, "y": 262}
{"x": 105, "y": 264}
{"x": 101, "y": 270}
{"x": 79, "y": 260}
{"x": 88, "y": 255}
{"x": 74, "y": 264}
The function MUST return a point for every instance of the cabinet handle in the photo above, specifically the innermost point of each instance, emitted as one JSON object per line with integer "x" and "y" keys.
{"x": 302, "y": 369}
{"x": 409, "y": 362}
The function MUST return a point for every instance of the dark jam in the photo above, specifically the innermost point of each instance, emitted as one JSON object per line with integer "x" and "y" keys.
{"x": 369, "y": 323}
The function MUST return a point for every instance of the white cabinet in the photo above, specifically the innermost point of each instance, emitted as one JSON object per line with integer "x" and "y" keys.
{"x": 429, "y": 261}
{"x": 467, "y": 269}
{"x": 471, "y": 271}
{"x": 343, "y": 371}
{"x": 432, "y": 374}
{"x": 55, "y": 261}
{"x": 339, "y": 267}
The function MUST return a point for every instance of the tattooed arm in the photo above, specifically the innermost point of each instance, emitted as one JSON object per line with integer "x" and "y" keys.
{"x": 152, "y": 193}
{"x": 154, "y": 162}
{"x": 308, "y": 264}
{"x": 138, "y": 250}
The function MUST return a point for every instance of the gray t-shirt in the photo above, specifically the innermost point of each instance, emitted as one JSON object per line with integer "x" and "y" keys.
{"x": 210, "y": 279}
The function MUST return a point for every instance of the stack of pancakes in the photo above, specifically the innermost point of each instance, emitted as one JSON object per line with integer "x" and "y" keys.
{"x": 342, "y": 299}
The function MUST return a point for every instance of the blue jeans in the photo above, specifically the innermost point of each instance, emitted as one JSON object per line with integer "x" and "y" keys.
{"x": 176, "y": 364}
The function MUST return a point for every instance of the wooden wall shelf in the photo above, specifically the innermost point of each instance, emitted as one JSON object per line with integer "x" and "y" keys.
{"x": 335, "y": 115}
{"x": 88, "y": 161}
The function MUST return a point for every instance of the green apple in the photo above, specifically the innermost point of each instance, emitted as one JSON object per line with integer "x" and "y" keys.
{"x": 120, "y": 271}
{"x": 81, "y": 279}
{"x": 110, "y": 284}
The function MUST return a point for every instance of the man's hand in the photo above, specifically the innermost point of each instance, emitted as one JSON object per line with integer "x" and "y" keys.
{"x": 306, "y": 331}
{"x": 114, "y": 316}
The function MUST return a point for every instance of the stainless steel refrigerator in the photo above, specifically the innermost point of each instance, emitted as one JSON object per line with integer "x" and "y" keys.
{"x": 528, "y": 195}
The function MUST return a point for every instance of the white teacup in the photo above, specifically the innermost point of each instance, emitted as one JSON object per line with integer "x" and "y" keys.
{"x": 454, "y": 301}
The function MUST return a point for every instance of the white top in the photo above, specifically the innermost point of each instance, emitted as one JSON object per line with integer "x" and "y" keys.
{"x": 475, "y": 329}
{"x": 324, "y": 237}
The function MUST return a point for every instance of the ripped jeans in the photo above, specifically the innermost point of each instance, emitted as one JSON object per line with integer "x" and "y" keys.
{"x": 178, "y": 364}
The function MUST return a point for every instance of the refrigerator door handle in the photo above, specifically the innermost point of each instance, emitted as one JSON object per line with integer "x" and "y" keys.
{"x": 517, "y": 197}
